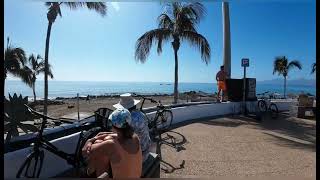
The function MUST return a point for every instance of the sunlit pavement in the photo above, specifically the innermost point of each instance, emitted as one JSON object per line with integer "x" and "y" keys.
{"x": 237, "y": 146}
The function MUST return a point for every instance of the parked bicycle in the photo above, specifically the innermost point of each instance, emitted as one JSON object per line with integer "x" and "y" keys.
{"x": 163, "y": 116}
{"x": 31, "y": 167}
{"x": 265, "y": 104}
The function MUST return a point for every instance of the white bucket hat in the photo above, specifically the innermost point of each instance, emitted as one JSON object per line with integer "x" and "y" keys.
{"x": 126, "y": 101}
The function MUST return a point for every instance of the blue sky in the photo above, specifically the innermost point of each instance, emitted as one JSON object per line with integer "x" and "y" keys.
{"x": 87, "y": 47}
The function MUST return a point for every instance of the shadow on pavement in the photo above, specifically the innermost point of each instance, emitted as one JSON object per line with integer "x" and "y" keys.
{"x": 174, "y": 140}
{"x": 285, "y": 125}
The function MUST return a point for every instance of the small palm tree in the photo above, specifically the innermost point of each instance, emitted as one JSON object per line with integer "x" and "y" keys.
{"x": 36, "y": 64}
{"x": 53, "y": 11}
{"x": 15, "y": 113}
{"x": 176, "y": 24}
{"x": 282, "y": 66}
{"x": 313, "y": 68}
{"x": 14, "y": 62}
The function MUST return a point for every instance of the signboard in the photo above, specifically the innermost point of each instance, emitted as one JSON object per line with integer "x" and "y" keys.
{"x": 245, "y": 62}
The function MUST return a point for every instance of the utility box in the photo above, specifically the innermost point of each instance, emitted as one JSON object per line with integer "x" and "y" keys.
{"x": 235, "y": 89}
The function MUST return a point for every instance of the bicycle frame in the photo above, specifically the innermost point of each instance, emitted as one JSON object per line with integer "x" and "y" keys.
{"x": 41, "y": 142}
{"x": 160, "y": 108}
{"x": 265, "y": 98}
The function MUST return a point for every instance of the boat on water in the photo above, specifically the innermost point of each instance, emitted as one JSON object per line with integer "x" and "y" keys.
{"x": 66, "y": 137}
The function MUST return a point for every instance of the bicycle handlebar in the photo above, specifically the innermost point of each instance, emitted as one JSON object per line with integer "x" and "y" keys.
{"x": 150, "y": 99}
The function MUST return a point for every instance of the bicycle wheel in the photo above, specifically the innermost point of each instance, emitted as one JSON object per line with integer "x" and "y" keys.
{"x": 262, "y": 105}
{"x": 85, "y": 136}
{"x": 274, "y": 110}
{"x": 31, "y": 167}
{"x": 164, "y": 120}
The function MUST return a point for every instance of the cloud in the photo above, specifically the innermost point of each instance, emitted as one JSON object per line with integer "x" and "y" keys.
{"x": 115, "y": 5}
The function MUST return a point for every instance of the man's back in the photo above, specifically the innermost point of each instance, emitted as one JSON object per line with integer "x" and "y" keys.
{"x": 129, "y": 164}
{"x": 221, "y": 75}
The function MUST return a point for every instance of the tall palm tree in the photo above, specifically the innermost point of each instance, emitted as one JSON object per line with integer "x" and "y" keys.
{"x": 313, "y": 68}
{"x": 36, "y": 64}
{"x": 176, "y": 24}
{"x": 14, "y": 62}
{"x": 53, "y": 11}
{"x": 282, "y": 66}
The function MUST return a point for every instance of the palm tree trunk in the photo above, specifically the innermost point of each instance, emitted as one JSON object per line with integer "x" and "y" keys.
{"x": 34, "y": 93}
{"x": 175, "y": 77}
{"x": 4, "y": 81}
{"x": 285, "y": 86}
{"x": 176, "y": 45}
{"x": 46, "y": 64}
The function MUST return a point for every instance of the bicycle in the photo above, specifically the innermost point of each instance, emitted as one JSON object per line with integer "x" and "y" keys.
{"x": 265, "y": 104}
{"x": 163, "y": 116}
{"x": 36, "y": 157}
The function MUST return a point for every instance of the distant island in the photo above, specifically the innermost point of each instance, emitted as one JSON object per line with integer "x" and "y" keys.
{"x": 293, "y": 82}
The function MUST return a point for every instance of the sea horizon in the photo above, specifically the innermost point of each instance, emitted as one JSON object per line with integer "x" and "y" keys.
{"x": 105, "y": 88}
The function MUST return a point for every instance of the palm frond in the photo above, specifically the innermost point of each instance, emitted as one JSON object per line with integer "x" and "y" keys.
{"x": 187, "y": 16}
{"x": 313, "y": 68}
{"x": 200, "y": 42}
{"x": 279, "y": 65}
{"x": 165, "y": 21}
{"x": 11, "y": 61}
{"x": 176, "y": 8}
{"x": 144, "y": 43}
{"x": 14, "y": 59}
{"x": 25, "y": 74}
{"x": 293, "y": 64}
{"x": 54, "y": 10}
{"x": 194, "y": 11}
{"x": 42, "y": 69}
{"x": 99, "y": 7}
{"x": 33, "y": 61}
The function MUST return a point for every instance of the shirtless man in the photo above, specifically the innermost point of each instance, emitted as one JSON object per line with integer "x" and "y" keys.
{"x": 221, "y": 81}
{"x": 119, "y": 148}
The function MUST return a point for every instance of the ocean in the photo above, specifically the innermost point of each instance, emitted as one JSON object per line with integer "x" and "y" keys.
{"x": 84, "y": 88}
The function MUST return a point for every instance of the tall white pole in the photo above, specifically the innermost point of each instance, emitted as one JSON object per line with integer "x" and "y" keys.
{"x": 226, "y": 38}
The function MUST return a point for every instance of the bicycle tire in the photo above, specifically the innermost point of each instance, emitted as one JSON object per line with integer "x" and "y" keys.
{"x": 274, "y": 110}
{"x": 164, "y": 120}
{"x": 26, "y": 165}
{"x": 262, "y": 105}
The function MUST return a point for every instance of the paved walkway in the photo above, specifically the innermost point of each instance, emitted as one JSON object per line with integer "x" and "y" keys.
{"x": 237, "y": 146}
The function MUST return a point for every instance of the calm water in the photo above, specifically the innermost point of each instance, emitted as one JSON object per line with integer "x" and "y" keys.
{"x": 71, "y": 88}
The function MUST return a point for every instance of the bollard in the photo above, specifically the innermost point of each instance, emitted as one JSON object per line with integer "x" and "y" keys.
{"x": 78, "y": 106}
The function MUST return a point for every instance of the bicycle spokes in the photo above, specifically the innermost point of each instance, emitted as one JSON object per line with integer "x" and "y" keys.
{"x": 32, "y": 166}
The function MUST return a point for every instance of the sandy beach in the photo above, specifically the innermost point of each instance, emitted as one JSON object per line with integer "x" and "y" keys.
{"x": 68, "y": 108}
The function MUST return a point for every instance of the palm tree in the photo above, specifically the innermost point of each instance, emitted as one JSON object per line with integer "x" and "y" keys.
{"x": 313, "y": 68}
{"x": 282, "y": 66}
{"x": 36, "y": 67}
{"x": 53, "y": 11}
{"x": 14, "y": 62}
{"x": 176, "y": 24}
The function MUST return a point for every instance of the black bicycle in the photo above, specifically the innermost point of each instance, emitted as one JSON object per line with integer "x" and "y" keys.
{"x": 31, "y": 167}
{"x": 265, "y": 104}
{"x": 163, "y": 116}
